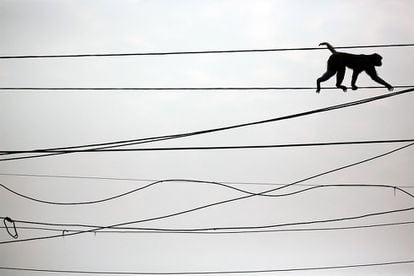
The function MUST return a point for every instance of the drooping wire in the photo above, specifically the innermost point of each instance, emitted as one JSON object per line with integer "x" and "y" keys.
{"x": 122, "y": 143}
{"x": 202, "y": 52}
{"x": 89, "y": 202}
{"x": 179, "y": 213}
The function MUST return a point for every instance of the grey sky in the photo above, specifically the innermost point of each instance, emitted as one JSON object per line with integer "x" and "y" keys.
{"x": 41, "y": 119}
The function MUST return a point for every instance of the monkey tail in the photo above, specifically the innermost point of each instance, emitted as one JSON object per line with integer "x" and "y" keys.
{"x": 329, "y": 46}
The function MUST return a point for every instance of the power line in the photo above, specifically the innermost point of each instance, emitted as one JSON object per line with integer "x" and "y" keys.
{"x": 92, "y": 228}
{"x": 139, "y": 230}
{"x": 225, "y": 229}
{"x": 228, "y": 88}
{"x": 317, "y": 144}
{"x": 162, "y": 217}
{"x": 201, "y": 52}
{"x": 122, "y": 143}
{"x": 154, "y": 180}
{"x": 220, "y": 230}
{"x": 275, "y": 270}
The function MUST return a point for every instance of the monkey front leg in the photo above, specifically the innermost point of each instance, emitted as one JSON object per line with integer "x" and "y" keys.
{"x": 383, "y": 82}
{"x": 374, "y": 76}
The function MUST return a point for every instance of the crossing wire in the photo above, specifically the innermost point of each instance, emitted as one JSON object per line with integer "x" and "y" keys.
{"x": 292, "y": 145}
{"x": 122, "y": 143}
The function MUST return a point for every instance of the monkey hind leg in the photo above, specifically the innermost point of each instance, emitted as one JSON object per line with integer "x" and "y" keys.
{"x": 339, "y": 78}
{"x": 326, "y": 76}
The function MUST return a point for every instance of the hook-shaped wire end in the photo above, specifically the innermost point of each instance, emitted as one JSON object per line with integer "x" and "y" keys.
{"x": 7, "y": 220}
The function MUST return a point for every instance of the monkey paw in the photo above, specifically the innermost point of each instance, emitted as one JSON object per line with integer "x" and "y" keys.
{"x": 343, "y": 88}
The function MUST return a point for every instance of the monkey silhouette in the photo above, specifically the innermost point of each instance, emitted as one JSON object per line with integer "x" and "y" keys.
{"x": 338, "y": 62}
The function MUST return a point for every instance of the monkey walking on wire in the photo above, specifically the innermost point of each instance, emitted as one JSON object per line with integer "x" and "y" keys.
{"x": 338, "y": 61}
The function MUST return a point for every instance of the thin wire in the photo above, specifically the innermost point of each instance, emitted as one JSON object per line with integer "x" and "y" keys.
{"x": 275, "y": 270}
{"x": 317, "y": 144}
{"x": 202, "y": 52}
{"x": 154, "y": 180}
{"x": 138, "y": 230}
{"x": 222, "y": 230}
{"x": 106, "y": 145}
{"x": 229, "y": 88}
{"x": 162, "y": 217}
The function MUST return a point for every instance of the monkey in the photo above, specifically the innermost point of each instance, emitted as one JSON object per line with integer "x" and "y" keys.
{"x": 338, "y": 61}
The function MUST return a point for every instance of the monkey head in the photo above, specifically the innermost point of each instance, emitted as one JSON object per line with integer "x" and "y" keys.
{"x": 376, "y": 59}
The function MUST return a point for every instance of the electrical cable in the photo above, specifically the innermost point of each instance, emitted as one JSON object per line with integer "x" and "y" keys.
{"x": 316, "y": 144}
{"x": 275, "y": 270}
{"x": 229, "y": 229}
{"x": 202, "y": 52}
{"x": 228, "y": 88}
{"x": 139, "y": 230}
{"x": 226, "y": 229}
{"x": 106, "y": 145}
{"x": 191, "y": 210}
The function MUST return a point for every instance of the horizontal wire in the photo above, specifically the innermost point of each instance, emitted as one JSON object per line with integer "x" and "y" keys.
{"x": 122, "y": 143}
{"x": 229, "y": 88}
{"x": 138, "y": 230}
{"x": 202, "y": 182}
{"x": 179, "y": 213}
{"x": 275, "y": 270}
{"x": 223, "y": 230}
{"x": 202, "y": 52}
{"x": 316, "y": 144}
{"x": 154, "y": 180}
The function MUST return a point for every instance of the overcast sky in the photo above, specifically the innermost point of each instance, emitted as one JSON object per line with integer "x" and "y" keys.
{"x": 43, "y": 119}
